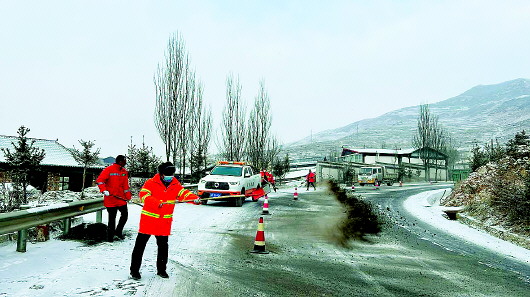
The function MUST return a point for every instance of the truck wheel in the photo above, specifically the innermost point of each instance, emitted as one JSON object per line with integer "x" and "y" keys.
{"x": 204, "y": 202}
{"x": 389, "y": 184}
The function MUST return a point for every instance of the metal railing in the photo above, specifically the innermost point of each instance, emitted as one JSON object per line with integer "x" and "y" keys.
{"x": 21, "y": 220}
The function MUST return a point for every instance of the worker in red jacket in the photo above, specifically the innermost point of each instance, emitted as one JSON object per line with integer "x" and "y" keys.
{"x": 113, "y": 182}
{"x": 271, "y": 180}
{"x": 263, "y": 174}
{"x": 310, "y": 179}
{"x": 159, "y": 195}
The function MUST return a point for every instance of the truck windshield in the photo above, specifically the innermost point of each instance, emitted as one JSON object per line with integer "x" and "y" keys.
{"x": 365, "y": 171}
{"x": 227, "y": 170}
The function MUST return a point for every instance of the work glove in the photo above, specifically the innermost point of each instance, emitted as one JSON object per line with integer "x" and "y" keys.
{"x": 106, "y": 193}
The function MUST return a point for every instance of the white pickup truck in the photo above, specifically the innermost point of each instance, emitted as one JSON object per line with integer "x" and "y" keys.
{"x": 229, "y": 179}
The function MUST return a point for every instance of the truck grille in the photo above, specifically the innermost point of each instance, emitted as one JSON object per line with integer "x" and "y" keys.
{"x": 217, "y": 185}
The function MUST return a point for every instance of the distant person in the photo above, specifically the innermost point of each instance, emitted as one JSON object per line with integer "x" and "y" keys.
{"x": 159, "y": 195}
{"x": 263, "y": 174}
{"x": 310, "y": 180}
{"x": 113, "y": 182}
{"x": 271, "y": 180}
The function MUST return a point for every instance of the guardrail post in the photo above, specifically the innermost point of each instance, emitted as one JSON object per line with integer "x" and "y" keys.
{"x": 22, "y": 237}
{"x": 22, "y": 240}
{"x": 99, "y": 216}
{"x": 67, "y": 223}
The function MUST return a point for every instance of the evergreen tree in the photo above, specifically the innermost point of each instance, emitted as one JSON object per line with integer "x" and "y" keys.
{"x": 23, "y": 161}
{"x": 494, "y": 151}
{"x": 142, "y": 161}
{"x": 478, "y": 157}
{"x": 86, "y": 157}
{"x": 280, "y": 168}
{"x": 514, "y": 144}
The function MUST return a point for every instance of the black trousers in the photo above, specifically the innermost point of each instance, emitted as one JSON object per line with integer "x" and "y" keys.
{"x": 139, "y": 248}
{"x": 112, "y": 229}
{"x": 311, "y": 184}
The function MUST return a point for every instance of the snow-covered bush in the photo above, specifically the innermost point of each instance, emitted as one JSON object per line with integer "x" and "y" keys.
{"x": 499, "y": 192}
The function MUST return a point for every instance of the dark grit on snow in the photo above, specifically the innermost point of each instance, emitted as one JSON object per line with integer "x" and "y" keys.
{"x": 360, "y": 219}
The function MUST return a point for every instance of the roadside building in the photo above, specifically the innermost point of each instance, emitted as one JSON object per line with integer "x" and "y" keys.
{"x": 409, "y": 164}
{"x": 57, "y": 171}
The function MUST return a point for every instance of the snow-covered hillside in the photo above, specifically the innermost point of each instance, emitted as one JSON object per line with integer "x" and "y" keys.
{"x": 480, "y": 114}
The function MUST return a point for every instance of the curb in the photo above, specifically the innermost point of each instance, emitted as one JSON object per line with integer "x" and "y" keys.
{"x": 495, "y": 231}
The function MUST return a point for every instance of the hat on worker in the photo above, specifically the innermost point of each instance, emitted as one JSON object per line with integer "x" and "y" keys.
{"x": 166, "y": 169}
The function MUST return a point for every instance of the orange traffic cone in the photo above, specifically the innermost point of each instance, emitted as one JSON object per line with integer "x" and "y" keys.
{"x": 259, "y": 242}
{"x": 295, "y": 195}
{"x": 266, "y": 206}
{"x": 401, "y": 183}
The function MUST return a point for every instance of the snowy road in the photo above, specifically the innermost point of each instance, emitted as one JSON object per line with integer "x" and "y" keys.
{"x": 209, "y": 256}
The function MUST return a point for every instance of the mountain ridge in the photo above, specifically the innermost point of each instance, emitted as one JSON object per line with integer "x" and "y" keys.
{"x": 482, "y": 113}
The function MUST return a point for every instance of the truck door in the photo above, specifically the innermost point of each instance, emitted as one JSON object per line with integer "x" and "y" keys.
{"x": 247, "y": 174}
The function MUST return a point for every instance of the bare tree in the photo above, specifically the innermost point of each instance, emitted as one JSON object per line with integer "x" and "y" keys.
{"x": 163, "y": 116}
{"x": 86, "y": 157}
{"x": 423, "y": 140}
{"x": 272, "y": 150}
{"x": 184, "y": 123}
{"x": 170, "y": 80}
{"x": 430, "y": 137}
{"x": 200, "y": 133}
{"x": 258, "y": 133}
{"x": 438, "y": 143}
{"x": 233, "y": 127}
{"x": 178, "y": 99}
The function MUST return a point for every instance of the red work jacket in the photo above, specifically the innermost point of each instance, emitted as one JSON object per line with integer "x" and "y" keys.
{"x": 270, "y": 177}
{"x": 156, "y": 219}
{"x": 311, "y": 177}
{"x": 114, "y": 179}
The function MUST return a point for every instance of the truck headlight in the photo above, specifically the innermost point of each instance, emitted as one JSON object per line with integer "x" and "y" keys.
{"x": 234, "y": 183}
{"x": 202, "y": 181}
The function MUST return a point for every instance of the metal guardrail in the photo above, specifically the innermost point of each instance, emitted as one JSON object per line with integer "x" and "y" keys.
{"x": 21, "y": 220}
{"x": 32, "y": 217}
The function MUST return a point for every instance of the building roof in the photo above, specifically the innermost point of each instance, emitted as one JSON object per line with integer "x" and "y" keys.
{"x": 411, "y": 152}
{"x": 56, "y": 153}
{"x": 380, "y": 151}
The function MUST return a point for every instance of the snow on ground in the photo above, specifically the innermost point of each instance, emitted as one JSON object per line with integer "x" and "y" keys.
{"x": 426, "y": 207}
{"x": 59, "y": 268}
{"x": 300, "y": 173}
{"x": 296, "y": 178}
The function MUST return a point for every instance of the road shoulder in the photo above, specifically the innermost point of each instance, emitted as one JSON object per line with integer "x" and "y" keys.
{"x": 425, "y": 206}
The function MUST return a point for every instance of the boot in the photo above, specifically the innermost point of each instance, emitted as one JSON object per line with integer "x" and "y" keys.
{"x": 135, "y": 275}
{"x": 163, "y": 274}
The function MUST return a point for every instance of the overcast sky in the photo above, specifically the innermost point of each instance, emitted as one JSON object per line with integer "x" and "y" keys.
{"x": 73, "y": 70}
